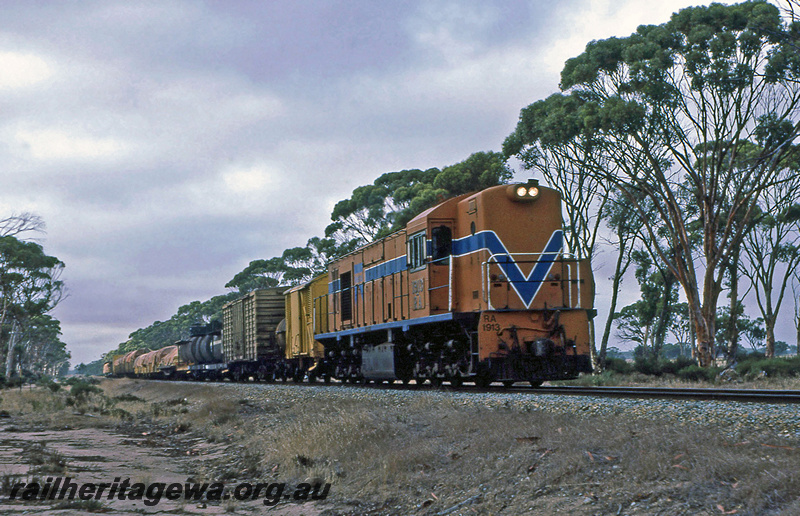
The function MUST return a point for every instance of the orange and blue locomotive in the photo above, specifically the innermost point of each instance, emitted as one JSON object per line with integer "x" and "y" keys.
{"x": 477, "y": 288}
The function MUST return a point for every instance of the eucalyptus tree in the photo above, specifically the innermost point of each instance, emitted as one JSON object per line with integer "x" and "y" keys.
{"x": 796, "y": 295}
{"x": 30, "y": 286}
{"x": 262, "y": 273}
{"x": 538, "y": 143}
{"x": 647, "y": 321}
{"x": 671, "y": 107}
{"x": 43, "y": 351}
{"x": 371, "y": 209}
{"x": 394, "y": 198}
{"x": 773, "y": 254}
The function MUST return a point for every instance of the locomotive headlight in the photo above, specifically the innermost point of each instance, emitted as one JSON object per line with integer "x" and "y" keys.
{"x": 526, "y": 192}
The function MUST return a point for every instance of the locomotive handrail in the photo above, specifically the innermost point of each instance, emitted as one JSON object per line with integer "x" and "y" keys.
{"x": 568, "y": 260}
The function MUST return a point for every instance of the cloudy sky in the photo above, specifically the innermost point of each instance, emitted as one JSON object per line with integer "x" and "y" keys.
{"x": 167, "y": 144}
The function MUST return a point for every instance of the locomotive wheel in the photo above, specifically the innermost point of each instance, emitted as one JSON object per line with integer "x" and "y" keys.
{"x": 456, "y": 381}
{"x": 326, "y": 378}
{"x": 436, "y": 381}
{"x": 483, "y": 376}
{"x": 483, "y": 380}
{"x": 536, "y": 383}
{"x": 508, "y": 383}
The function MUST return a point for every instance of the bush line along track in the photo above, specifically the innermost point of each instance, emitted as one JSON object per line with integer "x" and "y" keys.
{"x": 689, "y": 394}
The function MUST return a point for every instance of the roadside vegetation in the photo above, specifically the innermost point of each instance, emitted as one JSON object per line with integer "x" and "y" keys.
{"x": 750, "y": 371}
{"x": 424, "y": 453}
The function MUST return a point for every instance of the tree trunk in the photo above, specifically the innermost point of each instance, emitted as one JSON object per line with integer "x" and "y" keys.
{"x": 705, "y": 327}
{"x": 733, "y": 328}
{"x": 618, "y": 272}
{"x": 769, "y": 325}
{"x": 12, "y": 341}
{"x": 593, "y": 356}
{"x": 661, "y": 326}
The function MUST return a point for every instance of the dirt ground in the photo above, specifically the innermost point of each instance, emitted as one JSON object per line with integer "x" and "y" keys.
{"x": 386, "y": 452}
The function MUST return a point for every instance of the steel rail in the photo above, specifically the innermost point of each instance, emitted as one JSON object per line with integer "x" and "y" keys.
{"x": 682, "y": 393}
{"x": 741, "y": 395}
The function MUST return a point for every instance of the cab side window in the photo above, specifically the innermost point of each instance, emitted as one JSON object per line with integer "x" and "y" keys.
{"x": 416, "y": 250}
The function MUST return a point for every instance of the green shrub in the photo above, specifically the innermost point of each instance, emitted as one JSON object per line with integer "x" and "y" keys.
{"x": 81, "y": 390}
{"x": 647, "y": 365}
{"x": 618, "y": 365}
{"x": 72, "y": 380}
{"x": 696, "y": 373}
{"x": 15, "y": 381}
{"x": 773, "y": 367}
{"x": 693, "y": 373}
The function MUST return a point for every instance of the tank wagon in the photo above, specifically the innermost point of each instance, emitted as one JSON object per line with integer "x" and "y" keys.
{"x": 124, "y": 365}
{"x": 202, "y": 352}
{"x": 160, "y": 363}
{"x": 478, "y": 288}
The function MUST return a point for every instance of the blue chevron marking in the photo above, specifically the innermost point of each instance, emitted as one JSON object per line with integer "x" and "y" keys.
{"x": 526, "y": 287}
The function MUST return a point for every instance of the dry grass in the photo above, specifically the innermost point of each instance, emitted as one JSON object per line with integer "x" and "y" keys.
{"x": 433, "y": 452}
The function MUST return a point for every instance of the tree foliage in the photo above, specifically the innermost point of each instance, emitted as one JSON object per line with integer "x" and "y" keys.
{"x": 371, "y": 212}
{"x": 387, "y": 205}
{"x": 164, "y": 333}
{"x": 30, "y": 287}
{"x": 691, "y": 120}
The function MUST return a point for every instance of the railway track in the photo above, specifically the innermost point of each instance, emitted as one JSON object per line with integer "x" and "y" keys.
{"x": 739, "y": 395}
